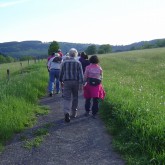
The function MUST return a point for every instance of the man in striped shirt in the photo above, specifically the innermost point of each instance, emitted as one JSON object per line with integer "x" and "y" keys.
{"x": 71, "y": 75}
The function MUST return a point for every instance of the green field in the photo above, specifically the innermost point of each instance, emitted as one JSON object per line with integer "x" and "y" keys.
{"x": 134, "y": 108}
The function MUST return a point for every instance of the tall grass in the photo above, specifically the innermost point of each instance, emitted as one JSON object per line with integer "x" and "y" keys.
{"x": 19, "y": 99}
{"x": 134, "y": 108}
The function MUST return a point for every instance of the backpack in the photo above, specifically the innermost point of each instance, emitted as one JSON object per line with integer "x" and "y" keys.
{"x": 57, "y": 59}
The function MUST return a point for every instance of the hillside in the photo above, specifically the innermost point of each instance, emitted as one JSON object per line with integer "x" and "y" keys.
{"x": 39, "y": 49}
{"x": 35, "y": 48}
{"x": 136, "y": 45}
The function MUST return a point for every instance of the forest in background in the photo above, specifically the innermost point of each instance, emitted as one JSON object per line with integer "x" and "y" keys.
{"x": 14, "y": 51}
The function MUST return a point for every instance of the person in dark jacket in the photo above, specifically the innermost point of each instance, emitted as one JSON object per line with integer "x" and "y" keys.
{"x": 84, "y": 60}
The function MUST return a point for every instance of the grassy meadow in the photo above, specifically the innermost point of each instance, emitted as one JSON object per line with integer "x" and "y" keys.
{"x": 19, "y": 97}
{"x": 134, "y": 107}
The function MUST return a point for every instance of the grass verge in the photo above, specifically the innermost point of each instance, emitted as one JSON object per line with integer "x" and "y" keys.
{"x": 19, "y": 100}
{"x": 134, "y": 106}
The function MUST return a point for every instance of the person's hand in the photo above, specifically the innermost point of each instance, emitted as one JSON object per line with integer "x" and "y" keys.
{"x": 62, "y": 84}
{"x": 84, "y": 84}
{"x": 80, "y": 87}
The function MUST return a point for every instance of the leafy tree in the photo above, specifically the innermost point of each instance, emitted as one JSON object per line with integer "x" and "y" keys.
{"x": 160, "y": 43}
{"x": 133, "y": 48}
{"x": 91, "y": 49}
{"x": 100, "y": 51}
{"x": 9, "y": 59}
{"x": 2, "y": 59}
{"x": 53, "y": 47}
{"x": 6, "y": 59}
{"x": 147, "y": 45}
{"x": 106, "y": 48}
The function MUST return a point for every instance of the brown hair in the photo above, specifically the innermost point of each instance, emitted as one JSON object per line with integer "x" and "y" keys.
{"x": 94, "y": 59}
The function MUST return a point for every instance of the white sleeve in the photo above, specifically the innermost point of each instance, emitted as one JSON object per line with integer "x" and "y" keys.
{"x": 49, "y": 62}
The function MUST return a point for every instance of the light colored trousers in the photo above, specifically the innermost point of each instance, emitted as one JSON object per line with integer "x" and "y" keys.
{"x": 70, "y": 96}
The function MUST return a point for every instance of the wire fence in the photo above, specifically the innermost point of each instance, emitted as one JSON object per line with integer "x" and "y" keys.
{"x": 8, "y": 69}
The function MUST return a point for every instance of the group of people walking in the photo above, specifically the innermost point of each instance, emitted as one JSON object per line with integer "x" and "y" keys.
{"x": 74, "y": 74}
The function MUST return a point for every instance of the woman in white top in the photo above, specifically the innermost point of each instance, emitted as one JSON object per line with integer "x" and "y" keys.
{"x": 54, "y": 65}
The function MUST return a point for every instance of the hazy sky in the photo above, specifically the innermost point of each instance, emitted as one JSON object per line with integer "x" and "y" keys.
{"x": 115, "y": 22}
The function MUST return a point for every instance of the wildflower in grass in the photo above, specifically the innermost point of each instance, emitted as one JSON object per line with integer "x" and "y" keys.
{"x": 147, "y": 110}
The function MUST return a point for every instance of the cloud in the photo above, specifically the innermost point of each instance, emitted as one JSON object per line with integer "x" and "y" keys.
{"x": 6, "y": 4}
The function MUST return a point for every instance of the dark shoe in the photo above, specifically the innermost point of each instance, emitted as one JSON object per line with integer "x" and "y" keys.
{"x": 67, "y": 118}
{"x": 94, "y": 116}
{"x": 74, "y": 114}
{"x": 51, "y": 94}
{"x": 86, "y": 113}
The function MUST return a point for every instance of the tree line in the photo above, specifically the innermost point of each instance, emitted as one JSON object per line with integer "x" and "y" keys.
{"x": 54, "y": 46}
{"x": 149, "y": 45}
{"x": 5, "y": 58}
{"x": 92, "y": 49}
{"x": 102, "y": 49}
{"x": 9, "y": 59}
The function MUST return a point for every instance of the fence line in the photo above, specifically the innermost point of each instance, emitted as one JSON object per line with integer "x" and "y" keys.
{"x": 7, "y": 68}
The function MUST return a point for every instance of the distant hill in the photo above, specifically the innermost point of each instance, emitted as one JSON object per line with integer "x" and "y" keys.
{"x": 40, "y": 49}
{"x": 35, "y": 48}
{"x": 24, "y": 48}
{"x": 136, "y": 45}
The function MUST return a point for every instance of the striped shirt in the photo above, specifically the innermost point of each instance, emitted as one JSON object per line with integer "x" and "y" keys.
{"x": 71, "y": 70}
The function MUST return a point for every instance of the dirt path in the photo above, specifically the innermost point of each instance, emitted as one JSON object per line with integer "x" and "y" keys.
{"x": 84, "y": 141}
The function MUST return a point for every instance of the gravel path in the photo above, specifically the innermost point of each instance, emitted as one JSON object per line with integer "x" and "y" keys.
{"x": 83, "y": 141}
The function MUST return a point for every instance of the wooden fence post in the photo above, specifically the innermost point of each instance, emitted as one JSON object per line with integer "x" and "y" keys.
{"x": 21, "y": 66}
{"x": 8, "y": 74}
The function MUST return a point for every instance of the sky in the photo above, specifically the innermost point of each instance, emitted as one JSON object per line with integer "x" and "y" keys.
{"x": 114, "y": 22}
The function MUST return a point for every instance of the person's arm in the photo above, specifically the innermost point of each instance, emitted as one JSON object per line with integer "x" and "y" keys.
{"x": 49, "y": 64}
{"x": 61, "y": 73}
{"x": 101, "y": 74}
{"x": 81, "y": 77}
{"x": 86, "y": 74}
